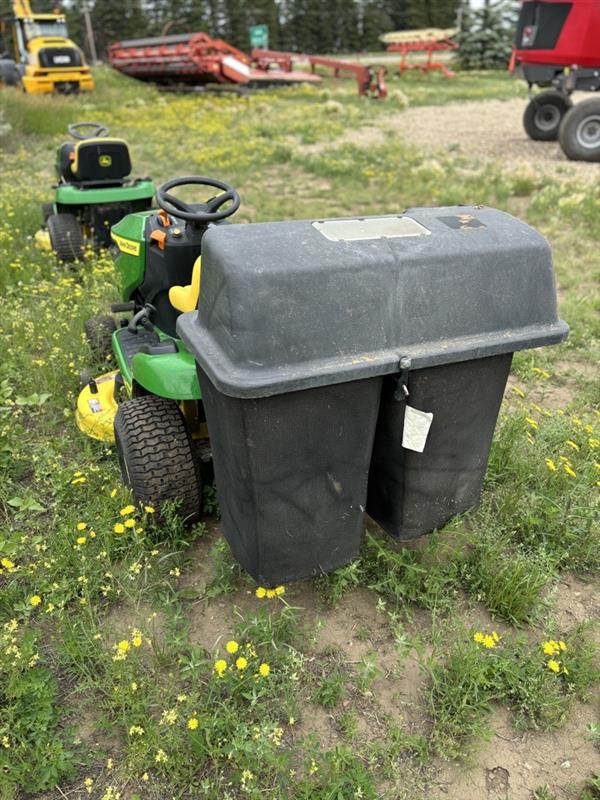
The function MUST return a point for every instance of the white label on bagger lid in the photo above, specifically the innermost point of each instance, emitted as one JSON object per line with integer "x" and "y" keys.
{"x": 416, "y": 429}
{"x": 350, "y": 230}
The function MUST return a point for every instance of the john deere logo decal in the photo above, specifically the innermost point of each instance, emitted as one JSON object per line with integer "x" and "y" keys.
{"x": 105, "y": 161}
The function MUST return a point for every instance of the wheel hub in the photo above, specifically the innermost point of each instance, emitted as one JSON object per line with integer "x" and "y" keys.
{"x": 588, "y": 132}
{"x": 547, "y": 117}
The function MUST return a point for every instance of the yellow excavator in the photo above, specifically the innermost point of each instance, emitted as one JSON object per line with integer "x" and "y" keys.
{"x": 45, "y": 59}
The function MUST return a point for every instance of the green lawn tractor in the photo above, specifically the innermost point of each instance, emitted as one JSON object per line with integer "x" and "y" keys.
{"x": 92, "y": 194}
{"x": 151, "y": 406}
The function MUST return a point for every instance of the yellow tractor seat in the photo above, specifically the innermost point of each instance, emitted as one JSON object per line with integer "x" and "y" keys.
{"x": 185, "y": 298}
{"x": 100, "y": 160}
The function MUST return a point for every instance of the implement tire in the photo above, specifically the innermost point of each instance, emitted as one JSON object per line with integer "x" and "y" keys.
{"x": 579, "y": 134}
{"x": 157, "y": 455}
{"x": 544, "y": 114}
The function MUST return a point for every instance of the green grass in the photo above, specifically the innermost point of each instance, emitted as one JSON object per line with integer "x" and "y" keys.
{"x": 79, "y": 700}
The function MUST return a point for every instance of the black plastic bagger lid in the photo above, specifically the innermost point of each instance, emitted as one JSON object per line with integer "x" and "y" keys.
{"x": 292, "y": 305}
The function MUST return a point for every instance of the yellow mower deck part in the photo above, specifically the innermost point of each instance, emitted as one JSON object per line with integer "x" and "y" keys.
{"x": 96, "y": 411}
{"x": 42, "y": 240}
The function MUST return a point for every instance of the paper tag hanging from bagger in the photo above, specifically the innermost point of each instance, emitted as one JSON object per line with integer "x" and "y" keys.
{"x": 416, "y": 428}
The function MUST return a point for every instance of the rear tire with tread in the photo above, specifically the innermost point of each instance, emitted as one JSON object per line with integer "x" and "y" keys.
{"x": 579, "y": 134}
{"x": 544, "y": 113}
{"x": 157, "y": 456}
{"x": 66, "y": 237}
{"x": 98, "y": 332}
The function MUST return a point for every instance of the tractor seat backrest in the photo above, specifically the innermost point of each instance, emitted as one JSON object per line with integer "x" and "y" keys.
{"x": 100, "y": 160}
{"x": 66, "y": 154}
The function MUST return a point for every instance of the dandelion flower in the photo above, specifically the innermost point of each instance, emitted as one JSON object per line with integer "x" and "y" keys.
{"x": 569, "y": 470}
{"x": 7, "y": 564}
{"x": 192, "y": 723}
{"x": 279, "y": 590}
{"x": 124, "y": 512}
{"x": 119, "y": 528}
{"x": 550, "y": 648}
{"x": 553, "y": 665}
{"x": 136, "y": 638}
{"x": 232, "y": 647}
{"x": 532, "y": 422}
{"x": 81, "y": 526}
{"x": 261, "y": 592}
{"x": 551, "y": 465}
{"x": 478, "y": 637}
{"x": 130, "y": 523}
{"x": 113, "y": 493}
{"x": 562, "y": 645}
{"x": 149, "y": 509}
{"x": 573, "y": 445}
{"x": 264, "y": 670}
{"x": 81, "y": 540}
{"x": 35, "y": 600}
{"x": 123, "y": 646}
{"x": 220, "y": 667}
{"x": 489, "y": 642}
{"x": 241, "y": 663}
{"x": 270, "y": 593}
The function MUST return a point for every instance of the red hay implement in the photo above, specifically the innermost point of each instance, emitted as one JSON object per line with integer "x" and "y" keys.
{"x": 557, "y": 45}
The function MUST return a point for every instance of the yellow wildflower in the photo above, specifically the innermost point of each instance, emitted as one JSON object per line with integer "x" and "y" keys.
{"x": 130, "y": 523}
{"x": 569, "y": 470}
{"x": 478, "y": 637}
{"x": 551, "y": 465}
{"x": 241, "y": 663}
{"x": 270, "y": 593}
{"x": 81, "y": 540}
{"x": 136, "y": 638}
{"x": 220, "y": 667}
{"x": 573, "y": 445}
{"x": 553, "y": 665}
{"x": 81, "y": 526}
{"x": 113, "y": 493}
{"x": 119, "y": 528}
{"x": 35, "y": 600}
{"x": 88, "y": 783}
{"x": 489, "y": 641}
{"x": 260, "y": 592}
{"x": 192, "y": 723}
{"x": 532, "y": 422}
{"x": 279, "y": 590}
{"x": 123, "y": 646}
{"x": 264, "y": 670}
{"x": 161, "y": 757}
{"x": 232, "y": 647}
{"x": 124, "y": 512}
{"x": 149, "y": 509}
{"x": 7, "y": 564}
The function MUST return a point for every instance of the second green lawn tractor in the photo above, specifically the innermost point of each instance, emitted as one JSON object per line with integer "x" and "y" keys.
{"x": 93, "y": 192}
{"x": 160, "y": 430}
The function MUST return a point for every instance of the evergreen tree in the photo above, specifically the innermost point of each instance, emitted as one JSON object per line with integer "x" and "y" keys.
{"x": 486, "y": 36}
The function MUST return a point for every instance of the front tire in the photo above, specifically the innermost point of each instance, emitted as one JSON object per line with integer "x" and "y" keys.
{"x": 579, "y": 134}
{"x": 544, "y": 114}
{"x": 98, "y": 332}
{"x": 66, "y": 237}
{"x": 157, "y": 456}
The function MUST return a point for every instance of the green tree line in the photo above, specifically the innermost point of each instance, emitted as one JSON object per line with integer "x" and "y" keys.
{"x": 312, "y": 26}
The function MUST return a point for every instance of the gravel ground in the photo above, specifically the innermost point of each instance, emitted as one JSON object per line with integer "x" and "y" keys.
{"x": 490, "y": 130}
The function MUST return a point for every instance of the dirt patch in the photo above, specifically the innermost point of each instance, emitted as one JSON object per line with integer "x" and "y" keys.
{"x": 512, "y": 765}
{"x": 576, "y": 601}
{"x": 488, "y": 130}
{"x": 549, "y": 396}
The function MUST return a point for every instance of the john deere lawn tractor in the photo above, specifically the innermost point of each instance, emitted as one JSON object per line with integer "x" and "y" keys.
{"x": 93, "y": 192}
{"x": 151, "y": 406}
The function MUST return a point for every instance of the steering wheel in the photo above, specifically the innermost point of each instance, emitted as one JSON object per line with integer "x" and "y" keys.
{"x": 87, "y": 130}
{"x": 210, "y": 212}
